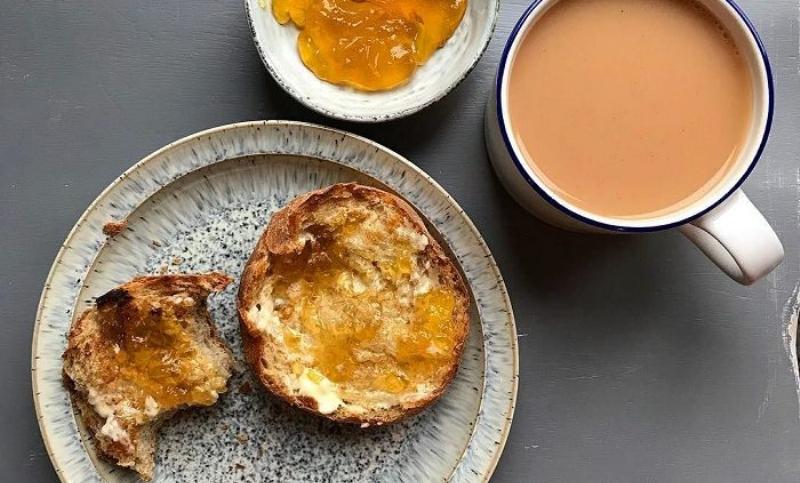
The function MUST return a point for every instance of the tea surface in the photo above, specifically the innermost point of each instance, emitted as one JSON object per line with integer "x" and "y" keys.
{"x": 629, "y": 108}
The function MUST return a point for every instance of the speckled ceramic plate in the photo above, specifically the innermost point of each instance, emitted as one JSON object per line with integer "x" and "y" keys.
{"x": 199, "y": 204}
{"x": 277, "y": 46}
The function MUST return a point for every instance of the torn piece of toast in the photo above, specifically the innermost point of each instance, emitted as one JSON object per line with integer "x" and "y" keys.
{"x": 350, "y": 309}
{"x": 147, "y": 349}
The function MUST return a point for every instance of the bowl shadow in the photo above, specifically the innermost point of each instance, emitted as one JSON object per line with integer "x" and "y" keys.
{"x": 423, "y": 126}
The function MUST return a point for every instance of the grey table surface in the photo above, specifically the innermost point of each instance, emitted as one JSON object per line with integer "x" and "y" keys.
{"x": 639, "y": 360}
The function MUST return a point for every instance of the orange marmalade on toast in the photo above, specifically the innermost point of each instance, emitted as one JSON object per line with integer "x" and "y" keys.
{"x": 150, "y": 355}
{"x": 364, "y": 304}
{"x": 370, "y": 45}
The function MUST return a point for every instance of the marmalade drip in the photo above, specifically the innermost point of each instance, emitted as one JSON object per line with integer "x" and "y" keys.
{"x": 366, "y": 327}
{"x": 370, "y": 45}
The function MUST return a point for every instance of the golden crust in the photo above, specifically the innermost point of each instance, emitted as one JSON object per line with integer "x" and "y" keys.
{"x": 281, "y": 238}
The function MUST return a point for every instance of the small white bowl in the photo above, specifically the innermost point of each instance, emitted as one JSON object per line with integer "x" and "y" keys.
{"x": 277, "y": 45}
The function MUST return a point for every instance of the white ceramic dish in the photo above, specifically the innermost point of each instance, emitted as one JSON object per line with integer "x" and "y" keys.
{"x": 277, "y": 46}
{"x": 199, "y": 204}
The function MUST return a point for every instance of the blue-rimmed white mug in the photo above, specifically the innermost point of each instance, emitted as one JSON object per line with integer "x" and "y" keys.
{"x": 724, "y": 224}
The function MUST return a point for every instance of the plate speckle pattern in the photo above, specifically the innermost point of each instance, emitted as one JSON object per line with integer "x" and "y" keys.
{"x": 200, "y": 205}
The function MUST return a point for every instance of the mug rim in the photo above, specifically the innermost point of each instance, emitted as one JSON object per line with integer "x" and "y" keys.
{"x": 643, "y": 228}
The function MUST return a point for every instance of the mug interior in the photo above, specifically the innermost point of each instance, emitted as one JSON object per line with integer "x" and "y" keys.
{"x": 749, "y": 44}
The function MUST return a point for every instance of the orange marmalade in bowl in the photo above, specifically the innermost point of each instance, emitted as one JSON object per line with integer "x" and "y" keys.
{"x": 370, "y": 45}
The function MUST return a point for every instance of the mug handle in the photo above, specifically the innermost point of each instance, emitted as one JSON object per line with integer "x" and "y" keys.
{"x": 737, "y": 238}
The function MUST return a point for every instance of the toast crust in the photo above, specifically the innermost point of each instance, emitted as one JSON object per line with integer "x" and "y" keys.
{"x": 145, "y": 350}
{"x": 281, "y": 238}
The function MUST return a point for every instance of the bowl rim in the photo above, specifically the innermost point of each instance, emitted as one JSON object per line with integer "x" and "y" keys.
{"x": 387, "y": 116}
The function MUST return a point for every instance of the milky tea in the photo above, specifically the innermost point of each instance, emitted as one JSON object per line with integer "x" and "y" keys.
{"x": 630, "y": 108}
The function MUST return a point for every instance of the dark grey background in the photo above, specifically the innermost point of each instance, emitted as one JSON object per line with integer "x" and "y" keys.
{"x": 639, "y": 360}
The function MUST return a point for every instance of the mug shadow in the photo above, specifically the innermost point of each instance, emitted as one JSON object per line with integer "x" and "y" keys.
{"x": 552, "y": 260}
{"x": 576, "y": 291}
{"x": 605, "y": 306}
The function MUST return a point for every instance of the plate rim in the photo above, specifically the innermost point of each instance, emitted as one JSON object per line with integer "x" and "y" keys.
{"x": 514, "y": 349}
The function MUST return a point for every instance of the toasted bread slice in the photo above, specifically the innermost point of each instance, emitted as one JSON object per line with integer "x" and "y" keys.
{"x": 147, "y": 349}
{"x": 350, "y": 309}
